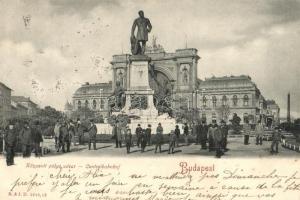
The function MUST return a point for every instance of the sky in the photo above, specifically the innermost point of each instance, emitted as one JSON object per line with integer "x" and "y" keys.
{"x": 49, "y": 48}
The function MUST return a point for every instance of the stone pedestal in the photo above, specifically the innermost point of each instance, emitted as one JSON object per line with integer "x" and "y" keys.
{"x": 138, "y": 86}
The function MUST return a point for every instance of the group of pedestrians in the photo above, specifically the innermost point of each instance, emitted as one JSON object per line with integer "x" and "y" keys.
{"x": 65, "y": 132}
{"x": 259, "y": 133}
{"x": 29, "y": 135}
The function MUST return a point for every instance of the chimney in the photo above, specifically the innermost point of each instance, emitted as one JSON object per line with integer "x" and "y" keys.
{"x": 288, "y": 108}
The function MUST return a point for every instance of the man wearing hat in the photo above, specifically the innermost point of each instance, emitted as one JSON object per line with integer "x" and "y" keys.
{"x": 10, "y": 139}
{"x": 128, "y": 138}
{"x": 92, "y": 134}
{"x": 246, "y": 131}
{"x": 37, "y": 138}
{"x": 172, "y": 141}
{"x": 211, "y": 131}
{"x": 224, "y": 130}
{"x": 143, "y": 140}
{"x": 138, "y": 132}
{"x": 26, "y": 140}
{"x": 148, "y": 134}
{"x": 276, "y": 137}
{"x": 203, "y": 129}
{"x": 159, "y": 137}
{"x": 218, "y": 139}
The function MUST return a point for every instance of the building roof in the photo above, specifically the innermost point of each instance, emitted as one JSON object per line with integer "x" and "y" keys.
{"x": 95, "y": 88}
{"x": 3, "y": 85}
{"x": 22, "y": 99}
{"x": 227, "y": 82}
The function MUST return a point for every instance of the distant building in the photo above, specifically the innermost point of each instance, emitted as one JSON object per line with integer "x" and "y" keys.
{"x": 173, "y": 77}
{"x": 68, "y": 109}
{"x": 26, "y": 102}
{"x": 5, "y": 101}
{"x": 18, "y": 110}
{"x": 93, "y": 96}
{"x": 220, "y": 97}
{"x": 273, "y": 111}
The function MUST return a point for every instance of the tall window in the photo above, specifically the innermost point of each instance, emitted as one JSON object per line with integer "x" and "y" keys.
{"x": 102, "y": 104}
{"x": 213, "y": 115}
{"x": 79, "y": 104}
{"x": 203, "y": 117}
{"x": 214, "y": 101}
{"x": 224, "y": 100}
{"x": 94, "y": 104}
{"x": 246, "y": 100}
{"x": 204, "y": 101}
{"x": 86, "y": 103}
{"x": 234, "y": 100}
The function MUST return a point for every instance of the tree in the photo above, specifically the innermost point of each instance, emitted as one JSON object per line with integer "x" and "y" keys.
{"x": 83, "y": 112}
{"x": 223, "y": 112}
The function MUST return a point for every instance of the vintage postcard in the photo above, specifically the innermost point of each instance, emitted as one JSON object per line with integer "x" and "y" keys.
{"x": 149, "y": 100}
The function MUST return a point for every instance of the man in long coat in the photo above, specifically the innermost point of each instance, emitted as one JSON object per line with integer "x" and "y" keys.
{"x": 26, "y": 140}
{"x": 224, "y": 129}
{"x": 203, "y": 129}
{"x": 10, "y": 139}
{"x": 92, "y": 135}
{"x": 37, "y": 138}
{"x": 218, "y": 138}
{"x": 138, "y": 132}
{"x": 159, "y": 137}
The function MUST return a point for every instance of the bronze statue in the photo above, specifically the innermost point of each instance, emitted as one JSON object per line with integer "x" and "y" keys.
{"x": 117, "y": 99}
{"x": 138, "y": 42}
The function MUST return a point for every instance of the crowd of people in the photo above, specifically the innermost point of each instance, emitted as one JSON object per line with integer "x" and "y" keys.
{"x": 212, "y": 137}
{"x": 28, "y": 135}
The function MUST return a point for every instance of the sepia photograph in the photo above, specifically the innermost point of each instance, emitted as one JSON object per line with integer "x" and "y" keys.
{"x": 150, "y": 80}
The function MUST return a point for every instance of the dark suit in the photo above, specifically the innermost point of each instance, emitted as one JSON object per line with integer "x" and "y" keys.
{"x": 10, "y": 139}
{"x": 92, "y": 136}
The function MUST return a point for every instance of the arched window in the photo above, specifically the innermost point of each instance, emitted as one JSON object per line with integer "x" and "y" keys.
{"x": 224, "y": 100}
{"x": 86, "y": 103}
{"x": 246, "y": 100}
{"x": 234, "y": 100}
{"x": 102, "y": 104}
{"x": 79, "y": 104}
{"x": 214, "y": 101}
{"x": 94, "y": 104}
{"x": 204, "y": 100}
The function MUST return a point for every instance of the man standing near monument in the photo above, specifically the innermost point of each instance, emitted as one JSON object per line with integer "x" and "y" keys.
{"x": 144, "y": 27}
{"x": 138, "y": 132}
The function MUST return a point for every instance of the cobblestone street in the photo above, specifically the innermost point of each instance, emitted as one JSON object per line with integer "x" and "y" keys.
{"x": 236, "y": 149}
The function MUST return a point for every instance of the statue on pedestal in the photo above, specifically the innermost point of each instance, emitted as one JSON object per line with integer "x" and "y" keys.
{"x": 138, "y": 42}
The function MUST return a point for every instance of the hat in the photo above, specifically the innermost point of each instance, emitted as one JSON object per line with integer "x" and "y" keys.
{"x": 214, "y": 121}
{"x": 139, "y": 125}
{"x": 149, "y": 125}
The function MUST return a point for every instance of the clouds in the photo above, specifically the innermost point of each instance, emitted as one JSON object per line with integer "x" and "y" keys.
{"x": 70, "y": 42}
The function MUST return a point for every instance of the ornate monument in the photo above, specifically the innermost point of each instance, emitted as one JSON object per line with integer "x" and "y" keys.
{"x": 139, "y": 103}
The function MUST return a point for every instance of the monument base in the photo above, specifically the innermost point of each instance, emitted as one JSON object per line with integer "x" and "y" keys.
{"x": 139, "y": 105}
